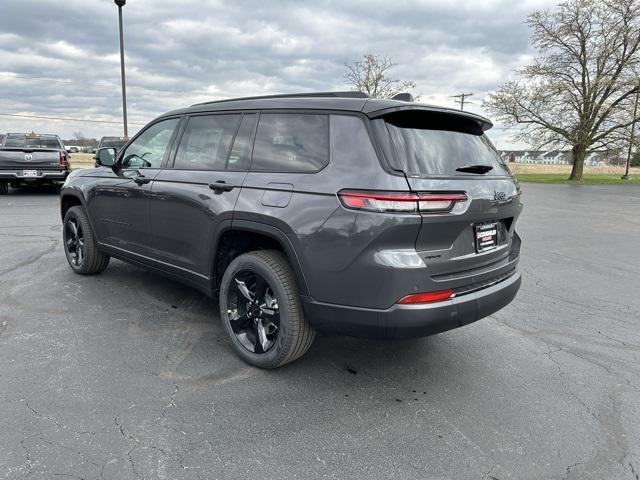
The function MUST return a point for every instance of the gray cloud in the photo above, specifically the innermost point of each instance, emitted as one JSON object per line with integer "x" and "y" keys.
{"x": 61, "y": 58}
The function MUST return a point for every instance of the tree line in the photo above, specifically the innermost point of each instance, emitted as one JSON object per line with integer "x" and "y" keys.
{"x": 581, "y": 91}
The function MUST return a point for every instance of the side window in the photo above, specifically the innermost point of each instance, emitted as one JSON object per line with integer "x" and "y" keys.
{"x": 350, "y": 143}
{"x": 147, "y": 151}
{"x": 241, "y": 151}
{"x": 205, "y": 142}
{"x": 291, "y": 142}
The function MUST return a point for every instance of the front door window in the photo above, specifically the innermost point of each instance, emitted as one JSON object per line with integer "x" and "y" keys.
{"x": 148, "y": 149}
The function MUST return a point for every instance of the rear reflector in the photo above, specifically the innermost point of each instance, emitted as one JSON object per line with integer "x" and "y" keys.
{"x": 426, "y": 297}
{"x": 400, "y": 201}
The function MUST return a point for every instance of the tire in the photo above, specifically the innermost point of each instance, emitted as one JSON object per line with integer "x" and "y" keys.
{"x": 293, "y": 336}
{"x": 91, "y": 260}
{"x": 4, "y": 188}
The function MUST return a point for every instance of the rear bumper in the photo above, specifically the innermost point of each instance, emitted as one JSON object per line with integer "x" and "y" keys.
{"x": 43, "y": 176}
{"x": 410, "y": 321}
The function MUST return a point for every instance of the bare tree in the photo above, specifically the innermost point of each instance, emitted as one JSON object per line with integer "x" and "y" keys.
{"x": 371, "y": 75}
{"x": 81, "y": 140}
{"x": 579, "y": 91}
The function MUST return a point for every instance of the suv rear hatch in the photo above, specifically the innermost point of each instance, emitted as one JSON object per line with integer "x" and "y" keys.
{"x": 469, "y": 242}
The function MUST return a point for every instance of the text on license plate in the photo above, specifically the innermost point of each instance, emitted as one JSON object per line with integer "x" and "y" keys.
{"x": 30, "y": 173}
{"x": 486, "y": 236}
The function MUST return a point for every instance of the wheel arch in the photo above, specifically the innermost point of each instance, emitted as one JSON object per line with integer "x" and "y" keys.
{"x": 243, "y": 236}
{"x": 70, "y": 199}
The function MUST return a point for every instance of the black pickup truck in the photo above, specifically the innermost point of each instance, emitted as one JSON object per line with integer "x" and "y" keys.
{"x": 32, "y": 159}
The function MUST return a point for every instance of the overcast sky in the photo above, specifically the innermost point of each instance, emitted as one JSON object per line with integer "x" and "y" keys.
{"x": 60, "y": 58}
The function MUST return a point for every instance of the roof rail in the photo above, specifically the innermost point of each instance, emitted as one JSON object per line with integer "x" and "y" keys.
{"x": 292, "y": 95}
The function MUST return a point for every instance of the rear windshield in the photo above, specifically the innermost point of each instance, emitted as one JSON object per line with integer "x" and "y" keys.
{"x": 112, "y": 142}
{"x": 439, "y": 144}
{"x": 31, "y": 141}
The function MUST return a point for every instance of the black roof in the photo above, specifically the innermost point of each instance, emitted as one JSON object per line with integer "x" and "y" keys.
{"x": 346, "y": 101}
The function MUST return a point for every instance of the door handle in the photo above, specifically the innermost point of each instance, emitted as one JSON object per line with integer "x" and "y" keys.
{"x": 221, "y": 186}
{"x": 141, "y": 179}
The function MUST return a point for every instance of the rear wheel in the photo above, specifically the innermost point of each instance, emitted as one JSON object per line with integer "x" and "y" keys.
{"x": 261, "y": 310}
{"x": 80, "y": 246}
{"x": 4, "y": 188}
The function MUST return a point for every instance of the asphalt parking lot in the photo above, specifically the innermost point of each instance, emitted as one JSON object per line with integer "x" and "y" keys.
{"x": 129, "y": 375}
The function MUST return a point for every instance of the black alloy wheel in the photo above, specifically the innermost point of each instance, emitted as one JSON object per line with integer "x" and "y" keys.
{"x": 80, "y": 246}
{"x": 261, "y": 310}
{"x": 253, "y": 313}
{"x": 74, "y": 242}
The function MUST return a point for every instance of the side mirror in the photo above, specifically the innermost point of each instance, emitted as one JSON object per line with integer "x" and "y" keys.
{"x": 105, "y": 157}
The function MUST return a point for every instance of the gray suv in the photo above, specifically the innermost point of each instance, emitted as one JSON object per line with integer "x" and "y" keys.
{"x": 329, "y": 213}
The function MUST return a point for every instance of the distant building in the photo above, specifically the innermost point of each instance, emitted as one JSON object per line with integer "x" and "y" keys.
{"x": 551, "y": 157}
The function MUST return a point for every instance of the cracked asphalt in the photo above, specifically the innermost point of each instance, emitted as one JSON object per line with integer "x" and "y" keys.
{"x": 128, "y": 375}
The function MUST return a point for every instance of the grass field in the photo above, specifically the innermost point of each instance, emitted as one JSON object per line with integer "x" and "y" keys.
{"x": 525, "y": 172}
{"x": 589, "y": 179}
{"x": 81, "y": 160}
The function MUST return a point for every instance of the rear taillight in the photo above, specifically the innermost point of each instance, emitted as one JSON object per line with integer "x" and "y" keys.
{"x": 63, "y": 159}
{"x": 439, "y": 202}
{"x": 379, "y": 201}
{"x": 400, "y": 202}
{"x": 426, "y": 297}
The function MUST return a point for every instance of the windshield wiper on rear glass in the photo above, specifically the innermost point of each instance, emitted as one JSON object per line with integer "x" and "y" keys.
{"x": 479, "y": 169}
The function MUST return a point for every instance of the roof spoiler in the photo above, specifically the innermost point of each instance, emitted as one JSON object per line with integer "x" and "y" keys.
{"x": 403, "y": 97}
{"x": 483, "y": 123}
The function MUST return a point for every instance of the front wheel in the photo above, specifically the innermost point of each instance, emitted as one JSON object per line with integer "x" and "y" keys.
{"x": 4, "y": 188}
{"x": 80, "y": 246}
{"x": 261, "y": 310}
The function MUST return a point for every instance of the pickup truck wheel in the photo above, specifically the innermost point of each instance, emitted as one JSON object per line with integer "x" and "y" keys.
{"x": 80, "y": 246}
{"x": 4, "y": 188}
{"x": 261, "y": 310}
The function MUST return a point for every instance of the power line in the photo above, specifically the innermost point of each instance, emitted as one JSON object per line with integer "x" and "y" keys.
{"x": 66, "y": 119}
{"x": 111, "y": 86}
{"x": 22, "y": 76}
{"x": 461, "y": 98}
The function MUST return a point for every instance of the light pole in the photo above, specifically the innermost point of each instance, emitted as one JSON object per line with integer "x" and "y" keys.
{"x": 120, "y": 4}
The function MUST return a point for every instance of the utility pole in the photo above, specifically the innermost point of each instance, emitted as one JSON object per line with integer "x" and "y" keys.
{"x": 461, "y": 98}
{"x": 120, "y": 4}
{"x": 633, "y": 129}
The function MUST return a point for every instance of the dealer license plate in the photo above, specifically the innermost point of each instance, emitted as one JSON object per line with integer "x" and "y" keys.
{"x": 486, "y": 236}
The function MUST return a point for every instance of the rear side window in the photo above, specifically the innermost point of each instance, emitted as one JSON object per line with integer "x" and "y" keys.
{"x": 438, "y": 144}
{"x": 241, "y": 152}
{"x": 205, "y": 142}
{"x": 351, "y": 146}
{"x": 291, "y": 142}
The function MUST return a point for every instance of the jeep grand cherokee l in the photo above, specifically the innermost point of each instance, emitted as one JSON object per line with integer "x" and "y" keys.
{"x": 328, "y": 212}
